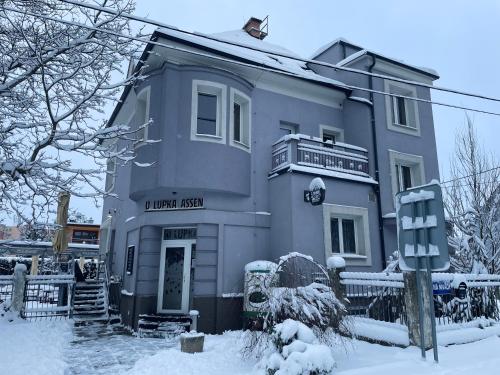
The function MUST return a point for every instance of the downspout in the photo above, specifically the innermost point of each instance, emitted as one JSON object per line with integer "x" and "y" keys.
{"x": 376, "y": 188}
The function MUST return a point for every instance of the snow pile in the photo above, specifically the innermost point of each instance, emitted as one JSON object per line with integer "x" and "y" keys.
{"x": 33, "y": 347}
{"x": 221, "y": 355}
{"x": 261, "y": 266}
{"x": 376, "y": 330}
{"x": 335, "y": 262}
{"x": 298, "y": 351}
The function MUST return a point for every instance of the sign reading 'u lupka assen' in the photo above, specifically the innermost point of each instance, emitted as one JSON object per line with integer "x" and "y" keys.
{"x": 174, "y": 204}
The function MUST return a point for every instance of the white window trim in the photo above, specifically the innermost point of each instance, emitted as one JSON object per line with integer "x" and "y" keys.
{"x": 389, "y": 100}
{"x": 362, "y": 257}
{"x": 213, "y": 88}
{"x": 410, "y": 160}
{"x": 144, "y": 92}
{"x": 294, "y": 129}
{"x": 339, "y": 133}
{"x": 232, "y": 99}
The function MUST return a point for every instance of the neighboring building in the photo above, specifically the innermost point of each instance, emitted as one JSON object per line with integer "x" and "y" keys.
{"x": 9, "y": 232}
{"x": 240, "y": 140}
{"x": 87, "y": 233}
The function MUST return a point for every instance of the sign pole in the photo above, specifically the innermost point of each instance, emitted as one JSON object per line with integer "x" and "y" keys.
{"x": 419, "y": 287}
{"x": 429, "y": 285}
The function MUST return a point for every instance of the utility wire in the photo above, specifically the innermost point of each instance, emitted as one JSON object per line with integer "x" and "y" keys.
{"x": 256, "y": 65}
{"x": 471, "y": 175}
{"x": 288, "y": 56}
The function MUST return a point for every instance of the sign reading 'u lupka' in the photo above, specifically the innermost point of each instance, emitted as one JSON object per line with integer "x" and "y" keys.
{"x": 174, "y": 204}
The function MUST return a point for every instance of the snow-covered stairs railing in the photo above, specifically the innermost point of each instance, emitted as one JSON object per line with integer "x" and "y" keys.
{"x": 306, "y": 151}
{"x": 48, "y": 296}
{"x": 378, "y": 296}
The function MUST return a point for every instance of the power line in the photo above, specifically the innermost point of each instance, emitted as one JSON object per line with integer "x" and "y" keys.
{"x": 296, "y": 58}
{"x": 259, "y": 66}
{"x": 471, "y": 175}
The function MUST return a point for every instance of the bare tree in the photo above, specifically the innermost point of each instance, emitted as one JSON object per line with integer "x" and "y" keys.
{"x": 59, "y": 65}
{"x": 472, "y": 203}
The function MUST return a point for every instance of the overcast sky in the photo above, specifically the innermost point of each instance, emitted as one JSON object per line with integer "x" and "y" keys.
{"x": 459, "y": 39}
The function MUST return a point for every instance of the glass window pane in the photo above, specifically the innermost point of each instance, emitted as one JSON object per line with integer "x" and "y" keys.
{"x": 173, "y": 278}
{"x": 349, "y": 236}
{"x": 401, "y": 111}
{"x": 334, "y": 229}
{"x": 207, "y": 114}
{"x": 406, "y": 177}
{"x": 237, "y": 122}
{"x": 398, "y": 177}
{"x": 330, "y": 138}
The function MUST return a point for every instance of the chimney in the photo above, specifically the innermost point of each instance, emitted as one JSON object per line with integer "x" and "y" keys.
{"x": 255, "y": 28}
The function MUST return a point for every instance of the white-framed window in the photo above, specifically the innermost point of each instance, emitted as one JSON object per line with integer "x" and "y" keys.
{"x": 347, "y": 233}
{"x": 287, "y": 128}
{"x": 401, "y": 112}
{"x": 208, "y": 111}
{"x": 240, "y": 119}
{"x": 407, "y": 170}
{"x": 142, "y": 116}
{"x": 331, "y": 135}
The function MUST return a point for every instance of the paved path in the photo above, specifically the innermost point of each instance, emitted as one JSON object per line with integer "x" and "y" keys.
{"x": 108, "y": 349}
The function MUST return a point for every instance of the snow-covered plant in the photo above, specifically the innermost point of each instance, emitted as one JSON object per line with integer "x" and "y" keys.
{"x": 60, "y": 65}
{"x": 297, "y": 351}
{"x": 314, "y": 305}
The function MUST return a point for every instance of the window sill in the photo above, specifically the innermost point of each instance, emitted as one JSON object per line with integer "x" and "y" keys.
{"x": 240, "y": 145}
{"x": 208, "y": 138}
{"x": 350, "y": 256}
{"x": 406, "y": 129}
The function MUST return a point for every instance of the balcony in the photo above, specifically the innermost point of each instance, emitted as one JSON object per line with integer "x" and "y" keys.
{"x": 315, "y": 156}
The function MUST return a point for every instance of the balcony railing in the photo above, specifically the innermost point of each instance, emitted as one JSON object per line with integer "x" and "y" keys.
{"x": 307, "y": 151}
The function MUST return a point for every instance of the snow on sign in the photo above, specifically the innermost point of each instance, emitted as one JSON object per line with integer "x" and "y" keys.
{"x": 421, "y": 227}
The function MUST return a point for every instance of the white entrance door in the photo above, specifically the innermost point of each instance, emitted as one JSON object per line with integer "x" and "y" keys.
{"x": 175, "y": 276}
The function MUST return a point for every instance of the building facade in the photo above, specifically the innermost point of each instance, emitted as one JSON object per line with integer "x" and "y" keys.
{"x": 232, "y": 130}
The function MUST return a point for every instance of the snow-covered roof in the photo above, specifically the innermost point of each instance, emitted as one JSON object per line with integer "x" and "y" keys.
{"x": 252, "y": 50}
{"x": 327, "y": 46}
{"x": 364, "y": 51}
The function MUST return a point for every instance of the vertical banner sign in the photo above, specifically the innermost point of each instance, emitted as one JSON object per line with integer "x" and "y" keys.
{"x": 130, "y": 259}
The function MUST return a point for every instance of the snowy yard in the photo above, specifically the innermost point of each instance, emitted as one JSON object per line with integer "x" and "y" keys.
{"x": 57, "y": 347}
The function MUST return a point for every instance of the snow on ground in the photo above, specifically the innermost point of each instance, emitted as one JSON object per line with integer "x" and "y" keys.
{"x": 221, "y": 356}
{"x": 33, "y": 347}
{"x": 57, "y": 348}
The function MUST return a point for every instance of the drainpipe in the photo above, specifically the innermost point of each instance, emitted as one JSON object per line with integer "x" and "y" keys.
{"x": 376, "y": 188}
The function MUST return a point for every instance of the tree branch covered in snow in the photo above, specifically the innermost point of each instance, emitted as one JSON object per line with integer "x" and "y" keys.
{"x": 55, "y": 79}
{"x": 472, "y": 203}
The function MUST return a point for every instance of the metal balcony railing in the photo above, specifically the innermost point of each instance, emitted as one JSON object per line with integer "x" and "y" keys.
{"x": 308, "y": 151}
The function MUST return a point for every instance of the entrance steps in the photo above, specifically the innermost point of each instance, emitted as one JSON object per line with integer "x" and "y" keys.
{"x": 90, "y": 302}
{"x": 162, "y": 326}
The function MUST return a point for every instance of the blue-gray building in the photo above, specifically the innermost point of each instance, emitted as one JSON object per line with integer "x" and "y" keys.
{"x": 238, "y": 130}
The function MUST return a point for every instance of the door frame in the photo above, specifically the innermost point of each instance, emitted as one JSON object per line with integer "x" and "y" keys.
{"x": 186, "y": 275}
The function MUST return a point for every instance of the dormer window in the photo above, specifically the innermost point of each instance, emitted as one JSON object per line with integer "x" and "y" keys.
{"x": 401, "y": 110}
{"x": 208, "y": 112}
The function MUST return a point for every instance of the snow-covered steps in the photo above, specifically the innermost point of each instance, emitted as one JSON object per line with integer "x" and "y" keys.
{"x": 162, "y": 326}
{"x": 90, "y": 302}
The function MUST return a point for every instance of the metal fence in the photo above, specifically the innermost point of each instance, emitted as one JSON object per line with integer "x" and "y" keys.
{"x": 48, "y": 296}
{"x": 378, "y": 296}
{"x": 5, "y": 288}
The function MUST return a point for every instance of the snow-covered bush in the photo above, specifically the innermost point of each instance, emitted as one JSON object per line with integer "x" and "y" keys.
{"x": 298, "y": 351}
{"x": 315, "y": 305}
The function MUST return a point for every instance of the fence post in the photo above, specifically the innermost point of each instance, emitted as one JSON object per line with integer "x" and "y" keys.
{"x": 19, "y": 285}
{"x": 335, "y": 266}
{"x": 412, "y": 313}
